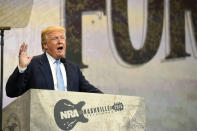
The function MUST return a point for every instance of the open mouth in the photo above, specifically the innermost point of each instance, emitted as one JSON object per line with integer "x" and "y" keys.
{"x": 60, "y": 48}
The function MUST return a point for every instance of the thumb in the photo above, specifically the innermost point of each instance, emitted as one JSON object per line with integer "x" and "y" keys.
{"x": 30, "y": 57}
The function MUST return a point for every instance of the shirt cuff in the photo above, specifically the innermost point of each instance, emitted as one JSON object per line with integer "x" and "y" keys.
{"x": 21, "y": 70}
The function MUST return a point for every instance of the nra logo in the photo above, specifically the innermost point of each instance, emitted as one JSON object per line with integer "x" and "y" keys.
{"x": 67, "y": 114}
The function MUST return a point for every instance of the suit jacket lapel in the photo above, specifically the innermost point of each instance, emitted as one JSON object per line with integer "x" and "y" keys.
{"x": 46, "y": 71}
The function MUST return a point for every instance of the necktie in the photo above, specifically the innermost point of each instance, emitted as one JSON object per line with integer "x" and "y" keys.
{"x": 60, "y": 80}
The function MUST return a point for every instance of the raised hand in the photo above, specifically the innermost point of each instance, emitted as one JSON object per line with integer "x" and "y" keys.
{"x": 23, "y": 59}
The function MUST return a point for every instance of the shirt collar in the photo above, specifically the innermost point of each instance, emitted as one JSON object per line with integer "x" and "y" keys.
{"x": 50, "y": 58}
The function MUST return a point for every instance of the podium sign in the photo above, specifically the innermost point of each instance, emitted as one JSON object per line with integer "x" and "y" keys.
{"x": 47, "y": 110}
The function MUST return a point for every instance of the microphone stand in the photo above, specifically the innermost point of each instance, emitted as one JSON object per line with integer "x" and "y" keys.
{"x": 1, "y": 89}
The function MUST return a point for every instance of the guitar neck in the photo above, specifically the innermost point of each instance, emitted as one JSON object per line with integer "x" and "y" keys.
{"x": 102, "y": 109}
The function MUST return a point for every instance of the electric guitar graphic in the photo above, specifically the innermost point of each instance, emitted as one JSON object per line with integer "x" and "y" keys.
{"x": 68, "y": 114}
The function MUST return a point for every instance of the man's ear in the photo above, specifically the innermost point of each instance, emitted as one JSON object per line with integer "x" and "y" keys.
{"x": 45, "y": 46}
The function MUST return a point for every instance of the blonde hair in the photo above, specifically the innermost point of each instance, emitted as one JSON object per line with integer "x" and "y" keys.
{"x": 46, "y": 31}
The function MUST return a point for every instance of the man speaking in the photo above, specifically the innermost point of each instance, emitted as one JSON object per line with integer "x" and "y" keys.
{"x": 49, "y": 70}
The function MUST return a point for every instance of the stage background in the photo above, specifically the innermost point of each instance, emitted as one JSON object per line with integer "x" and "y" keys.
{"x": 141, "y": 48}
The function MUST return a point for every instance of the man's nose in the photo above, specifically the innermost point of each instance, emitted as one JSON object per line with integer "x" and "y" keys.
{"x": 60, "y": 41}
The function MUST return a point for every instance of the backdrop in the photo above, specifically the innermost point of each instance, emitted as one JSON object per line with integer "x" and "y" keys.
{"x": 141, "y": 48}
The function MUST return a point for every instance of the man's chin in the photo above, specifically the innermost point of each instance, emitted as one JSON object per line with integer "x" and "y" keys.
{"x": 60, "y": 56}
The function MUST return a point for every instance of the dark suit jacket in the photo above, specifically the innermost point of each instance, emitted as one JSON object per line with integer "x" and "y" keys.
{"x": 38, "y": 75}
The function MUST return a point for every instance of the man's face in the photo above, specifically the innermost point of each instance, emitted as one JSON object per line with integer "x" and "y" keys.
{"x": 55, "y": 44}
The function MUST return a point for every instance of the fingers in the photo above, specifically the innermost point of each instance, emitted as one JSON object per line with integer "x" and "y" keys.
{"x": 23, "y": 48}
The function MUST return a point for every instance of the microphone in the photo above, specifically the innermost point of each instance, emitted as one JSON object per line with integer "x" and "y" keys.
{"x": 5, "y": 27}
{"x": 63, "y": 60}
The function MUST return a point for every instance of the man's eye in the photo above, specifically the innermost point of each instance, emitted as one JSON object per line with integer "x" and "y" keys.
{"x": 55, "y": 38}
{"x": 62, "y": 37}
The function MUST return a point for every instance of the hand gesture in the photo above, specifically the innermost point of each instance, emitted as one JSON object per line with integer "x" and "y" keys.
{"x": 23, "y": 59}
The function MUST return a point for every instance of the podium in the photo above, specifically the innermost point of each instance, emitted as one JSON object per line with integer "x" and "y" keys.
{"x": 49, "y": 110}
